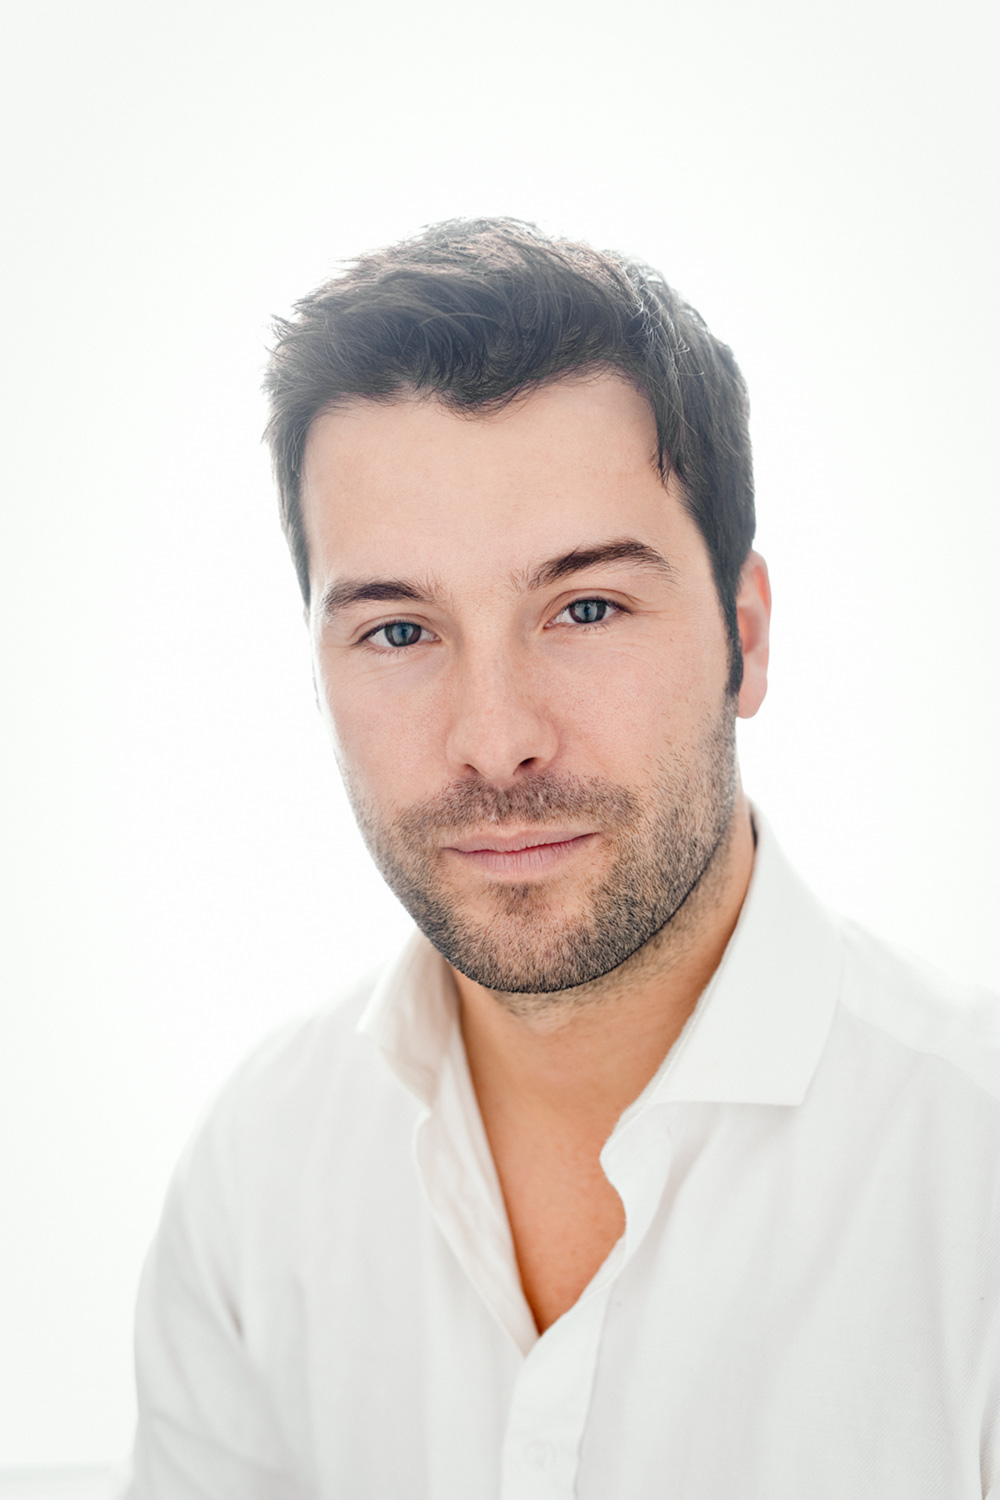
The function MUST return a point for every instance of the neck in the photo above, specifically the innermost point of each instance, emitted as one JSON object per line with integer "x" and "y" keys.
{"x": 588, "y": 1052}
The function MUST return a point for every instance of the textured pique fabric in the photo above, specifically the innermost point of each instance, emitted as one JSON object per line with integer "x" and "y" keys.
{"x": 804, "y": 1301}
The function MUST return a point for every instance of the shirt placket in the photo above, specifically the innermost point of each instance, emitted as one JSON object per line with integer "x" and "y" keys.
{"x": 550, "y": 1401}
{"x": 551, "y": 1398}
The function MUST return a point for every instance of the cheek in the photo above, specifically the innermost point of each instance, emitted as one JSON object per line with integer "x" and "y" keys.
{"x": 645, "y": 692}
{"x": 383, "y": 742}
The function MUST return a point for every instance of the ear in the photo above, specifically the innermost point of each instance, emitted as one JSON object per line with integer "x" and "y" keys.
{"x": 314, "y": 672}
{"x": 753, "y": 614}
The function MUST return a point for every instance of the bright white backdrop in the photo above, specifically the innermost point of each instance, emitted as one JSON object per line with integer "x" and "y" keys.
{"x": 181, "y": 871}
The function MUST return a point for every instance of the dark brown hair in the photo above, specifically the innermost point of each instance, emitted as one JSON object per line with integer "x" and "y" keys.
{"x": 475, "y": 312}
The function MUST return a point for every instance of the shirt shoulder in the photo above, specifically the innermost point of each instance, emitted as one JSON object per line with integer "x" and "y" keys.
{"x": 312, "y": 1083}
{"x": 920, "y": 1008}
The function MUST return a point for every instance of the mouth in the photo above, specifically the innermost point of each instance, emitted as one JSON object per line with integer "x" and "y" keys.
{"x": 518, "y": 855}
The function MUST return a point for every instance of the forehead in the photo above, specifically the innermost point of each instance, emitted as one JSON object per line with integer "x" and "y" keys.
{"x": 412, "y": 481}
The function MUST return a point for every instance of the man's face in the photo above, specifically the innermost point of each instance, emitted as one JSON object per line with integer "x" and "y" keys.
{"x": 522, "y": 655}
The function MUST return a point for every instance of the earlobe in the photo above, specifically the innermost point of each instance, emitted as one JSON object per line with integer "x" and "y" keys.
{"x": 753, "y": 614}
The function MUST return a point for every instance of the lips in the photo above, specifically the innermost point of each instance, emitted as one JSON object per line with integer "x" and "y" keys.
{"x": 518, "y": 856}
{"x": 515, "y": 843}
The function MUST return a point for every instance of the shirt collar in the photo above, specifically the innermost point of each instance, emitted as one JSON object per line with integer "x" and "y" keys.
{"x": 411, "y": 1015}
{"x": 755, "y": 1036}
{"x": 759, "y": 1029}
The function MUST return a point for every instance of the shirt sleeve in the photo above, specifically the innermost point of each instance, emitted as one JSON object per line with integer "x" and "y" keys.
{"x": 206, "y": 1428}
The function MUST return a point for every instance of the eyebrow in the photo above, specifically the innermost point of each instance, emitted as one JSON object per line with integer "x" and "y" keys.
{"x": 370, "y": 590}
{"x": 622, "y": 549}
{"x": 350, "y": 591}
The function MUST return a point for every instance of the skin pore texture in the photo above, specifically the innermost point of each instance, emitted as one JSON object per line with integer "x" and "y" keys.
{"x": 521, "y": 655}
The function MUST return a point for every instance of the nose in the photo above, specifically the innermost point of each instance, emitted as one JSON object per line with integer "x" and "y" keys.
{"x": 501, "y": 723}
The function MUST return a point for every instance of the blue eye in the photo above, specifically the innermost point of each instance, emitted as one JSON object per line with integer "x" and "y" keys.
{"x": 587, "y": 611}
{"x": 400, "y": 633}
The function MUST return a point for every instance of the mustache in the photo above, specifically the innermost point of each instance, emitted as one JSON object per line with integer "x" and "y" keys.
{"x": 542, "y": 799}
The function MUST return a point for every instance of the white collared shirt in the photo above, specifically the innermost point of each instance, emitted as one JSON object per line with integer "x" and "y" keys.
{"x": 805, "y": 1302}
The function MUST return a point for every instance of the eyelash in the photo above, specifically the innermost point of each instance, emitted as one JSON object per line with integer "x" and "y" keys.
{"x": 616, "y": 609}
{"x": 371, "y": 634}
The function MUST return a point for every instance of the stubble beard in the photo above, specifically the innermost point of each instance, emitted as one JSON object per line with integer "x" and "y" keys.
{"x": 667, "y": 838}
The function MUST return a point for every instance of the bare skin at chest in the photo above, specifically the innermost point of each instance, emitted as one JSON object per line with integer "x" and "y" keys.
{"x": 565, "y": 1217}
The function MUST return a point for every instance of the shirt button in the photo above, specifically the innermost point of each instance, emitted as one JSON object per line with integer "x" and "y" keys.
{"x": 539, "y": 1454}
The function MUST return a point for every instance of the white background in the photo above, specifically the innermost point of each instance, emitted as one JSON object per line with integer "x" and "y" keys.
{"x": 820, "y": 180}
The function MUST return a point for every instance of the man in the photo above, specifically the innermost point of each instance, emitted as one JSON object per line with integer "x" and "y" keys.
{"x": 638, "y": 1173}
